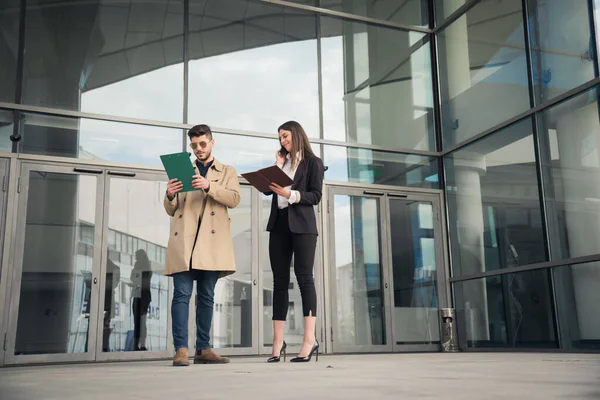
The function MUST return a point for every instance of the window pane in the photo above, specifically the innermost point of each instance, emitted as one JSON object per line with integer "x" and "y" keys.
{"x": 106, "y": 57}
{"x": 577, "y": 299}
{"x": 245, "y": 153}
{"x": 252, "y": 66}
{"x": 482, "y": 53}
{"x": 232, "y": 319}
{"x": 136, "y": 292}
{"x": 445, "y": 8}
{"x": 376, "y": 85}
{"x": 510, "y": 311}
{"x": 9, "y": 45}
{"x": 493, "y": 203}
{"x": 6, "y": 130}
{"x": 409, "y": 12}
{"x": 294, "y": 327}
{"x": 570, "y": 146}
{"x": 560, "y": 40}
{"x": 98, "y": 140}
{"x": 56, "y": 278}
{"x": 348, "y": 164}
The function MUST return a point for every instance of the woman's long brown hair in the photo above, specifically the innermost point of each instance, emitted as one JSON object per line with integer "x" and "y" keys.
{"x": 300, "y": 142}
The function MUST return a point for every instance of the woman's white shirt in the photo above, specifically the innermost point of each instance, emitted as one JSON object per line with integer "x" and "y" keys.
{"x": 282, "y": 202}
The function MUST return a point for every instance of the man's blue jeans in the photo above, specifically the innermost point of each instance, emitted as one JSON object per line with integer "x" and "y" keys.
{"x": 183, "y": 283}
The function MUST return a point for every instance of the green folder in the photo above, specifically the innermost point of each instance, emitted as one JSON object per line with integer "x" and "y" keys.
{"x": 178, "y": 165}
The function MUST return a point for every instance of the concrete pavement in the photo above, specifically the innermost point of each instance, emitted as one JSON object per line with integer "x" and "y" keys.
{"x": 365, "y": 377}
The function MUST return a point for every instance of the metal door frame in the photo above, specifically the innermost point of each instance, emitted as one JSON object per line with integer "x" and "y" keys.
{"x": 384, "y": 262}
{"x": 24, "y": 169}
{"x": 7, "y": 218}
{"x": 436, "y": 197}
{"x": 252, "y": 350}
{"x": 139, "y": 175}
{"x": 319, "y": 278}
{"x": 435, "y": 201}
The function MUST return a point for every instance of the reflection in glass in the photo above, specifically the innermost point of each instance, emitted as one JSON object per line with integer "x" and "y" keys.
{"x": 56, "y": 280}
{"x": 577, "y": 299}
{"x": 482, "y": 53}
{"x": 106, "y": 57}
{"x": 408, "y": 12}
{"x": 562, "y": 55}
{"x": 570, "y": 153}
{"x": 252, "y": 66}
{"x": 136, "y": 292}
{"x": 347, "y": 164}
{"x": 232, "y": 316}
{"x": 294, "y": 325}
{"x": 245, "y": 153}
{"x": 445, "y": 8}
{"x": 493, "y": 203}
{"x": 98, "y": 140}
{"x": 360, "y": 317}
{"x": 414, "y": 272}
{"x": 9, "y": 44}
{"x": 376, "y": 85}
{"x": 511, "y": 311}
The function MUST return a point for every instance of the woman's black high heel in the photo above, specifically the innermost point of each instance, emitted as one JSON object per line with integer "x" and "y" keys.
{"x": 277, "y": 358}
{"x": 315, "y": 349}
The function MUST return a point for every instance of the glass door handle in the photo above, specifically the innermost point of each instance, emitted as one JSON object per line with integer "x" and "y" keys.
{"x": 87, "y": 170}
{"x": 254, "y": 282}
{"x": 118, "y": 173}
{"x": 373, "y": 193}
{"x": 386, "y": 285}
{"x": 95, "y": 281}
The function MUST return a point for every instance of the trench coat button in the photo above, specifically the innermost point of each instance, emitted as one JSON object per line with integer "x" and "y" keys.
{"x": 175, "y": 233}
{"x": 180, "y": 215}
{"x": 213, "y": 231}
{"x": 212, "y": 213}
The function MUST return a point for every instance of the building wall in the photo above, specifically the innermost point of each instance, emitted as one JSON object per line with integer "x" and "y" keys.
{"x": 493, "y": 102}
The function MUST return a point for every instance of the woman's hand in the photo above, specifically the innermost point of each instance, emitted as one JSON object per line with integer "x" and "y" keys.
{"x": 279, "y": 158}
{"x": 281, "y": 191}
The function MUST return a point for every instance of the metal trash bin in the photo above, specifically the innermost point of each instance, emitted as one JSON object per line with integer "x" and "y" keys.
{"x": 449, "y": 337}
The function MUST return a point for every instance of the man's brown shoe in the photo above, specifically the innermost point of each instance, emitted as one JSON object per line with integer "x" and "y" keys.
{"x": 208, "y": 356}
{"x": 181, "y": 358}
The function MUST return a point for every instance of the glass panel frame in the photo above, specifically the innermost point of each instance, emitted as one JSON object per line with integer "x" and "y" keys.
{"x": 123, "y": 176}
{"x": 430, "y": 314}
{"x": 337, "y": 345}
{"x": 385, "y": 196}
{"x": 89, "y": 355}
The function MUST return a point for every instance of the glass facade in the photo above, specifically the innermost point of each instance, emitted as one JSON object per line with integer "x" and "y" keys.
{"x": 490, "y": 105}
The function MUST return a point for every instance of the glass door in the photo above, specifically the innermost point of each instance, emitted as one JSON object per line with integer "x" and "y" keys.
{"x": 56, "y": 279}
{"x": 135, "y": 296}
{"x": 294, "y": 324}
{"x": 235, "y": 317}
{"x": 386, "y": 269}
{"x": 416, "y": 268}
{"x": 359, "y": 277}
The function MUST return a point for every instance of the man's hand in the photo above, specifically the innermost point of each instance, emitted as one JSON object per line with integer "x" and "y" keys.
{"x": 174, "y": 186}
{"x": 199, "y": 182}
{"x": 281, "y": 191}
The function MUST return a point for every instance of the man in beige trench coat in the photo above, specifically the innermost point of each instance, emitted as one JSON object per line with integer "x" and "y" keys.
{"x": 200, "y": 246}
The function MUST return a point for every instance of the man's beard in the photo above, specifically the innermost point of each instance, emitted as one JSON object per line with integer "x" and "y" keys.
{"x": 205, "y": 157}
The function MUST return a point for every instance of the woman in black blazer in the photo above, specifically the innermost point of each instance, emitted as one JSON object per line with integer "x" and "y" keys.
{"x": 293, "y": 231}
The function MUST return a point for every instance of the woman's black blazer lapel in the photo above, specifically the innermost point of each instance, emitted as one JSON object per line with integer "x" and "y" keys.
{"x": 300, "y": 172}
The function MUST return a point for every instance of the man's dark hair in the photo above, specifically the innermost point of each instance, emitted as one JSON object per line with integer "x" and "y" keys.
{"x": 200, "y": 130}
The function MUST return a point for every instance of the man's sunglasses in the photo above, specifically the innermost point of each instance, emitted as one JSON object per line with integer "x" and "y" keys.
{"x": 194, "y": 145}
